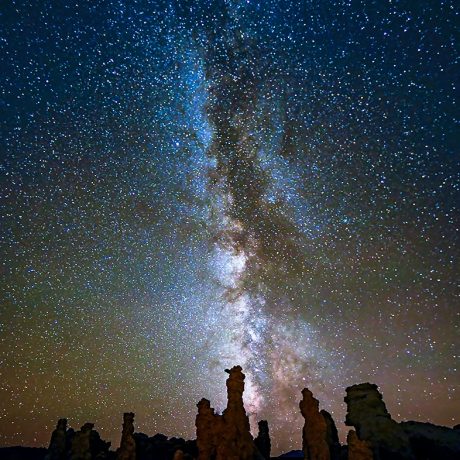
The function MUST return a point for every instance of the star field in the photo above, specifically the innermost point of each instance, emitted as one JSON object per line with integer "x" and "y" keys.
{"x": 189, "y": 185}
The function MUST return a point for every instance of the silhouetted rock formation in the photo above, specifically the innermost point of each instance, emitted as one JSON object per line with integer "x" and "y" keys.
{"x": 314, "y": 435}
{"x": 99, "y": 448}
{"x": 390, "y": 440}
{"x": 81, "y": 449}
{"x": 208, "y": 426}
{"x": 127, "y": 449}
{"x": 58, "y": 445}
{"x": 226, "y": 436}
{"x": 161, "y": 448}
{"x": 262, "y": 440}
{"x": 357, "y": 449}
{"x": 23, "y": 453}
{"x": 368, "y": 414}
{"x": 430, "y": 441}
{"x": 332, "y": 436}
{"x": 85, "y": 444}
{"x": 237, "y": 442}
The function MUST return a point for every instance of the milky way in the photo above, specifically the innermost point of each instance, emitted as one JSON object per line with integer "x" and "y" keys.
{"x": 186, "y": 186}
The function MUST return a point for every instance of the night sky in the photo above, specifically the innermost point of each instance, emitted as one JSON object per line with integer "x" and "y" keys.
{"x": 189, "y": 185}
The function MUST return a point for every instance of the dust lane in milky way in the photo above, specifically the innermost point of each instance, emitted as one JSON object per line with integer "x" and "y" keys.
{"x": 189, "y": 186}
{"x": 259, "y": 245}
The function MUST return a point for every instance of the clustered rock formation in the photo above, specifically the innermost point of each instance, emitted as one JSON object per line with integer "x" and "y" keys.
{"x": 332, "y": 436}
{"x": 57, "y": 449}
{"x": 163, "y": 448}
{"x": 208, "y": 425}
{"x": 357, "y": 449}
{"x": 367, "y": 412}
{"x": 376, "y": 436}
{"x": 314, "y": 434}
{"x": 262, "y": 440}
{"x": 58, "y": 444}
{"x": 127, "y": 449}
{"x": 86, "y": 444}
{"x": 389, "y": 440}
{"x": 226, "y": 436}
{"x": 320, "y": 440}
{"x": 81, "y": 448}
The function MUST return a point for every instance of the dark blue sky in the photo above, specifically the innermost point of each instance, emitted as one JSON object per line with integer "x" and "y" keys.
{"x": 190, "y": 185}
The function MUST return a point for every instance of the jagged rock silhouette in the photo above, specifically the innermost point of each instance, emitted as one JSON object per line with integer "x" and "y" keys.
{"x": 208, "y": 427}
{"x": 390, "y": 440}
{"x": 58, "y": 445}
{"x": 127, "y": 449}
{"x": 357, "y": 449}
{"x": 262, "y": 441}
{"x": 314, "y": 434}
{"x": 86, "y": 444}
{"x": 332, "y": 436}
{"x": 228, "y": 436}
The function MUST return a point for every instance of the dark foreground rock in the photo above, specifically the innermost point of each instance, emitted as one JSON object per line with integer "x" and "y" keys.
{"x": 226, "y": 436}
{"x": 262, "y": 440}
{"x": 59, "y": 444}
{"x": 127, "y": 449}
{"x": 357, "y": 449}
{"x": 22, "y": 453}
{"x": 376, "y": 436}
{"x": 390, "y": 440}
{"x": 160, "y": 447}
{"x": 292, "y": 454}
{"x": 320, "y": 440}
{"x": 430, "y": 441}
